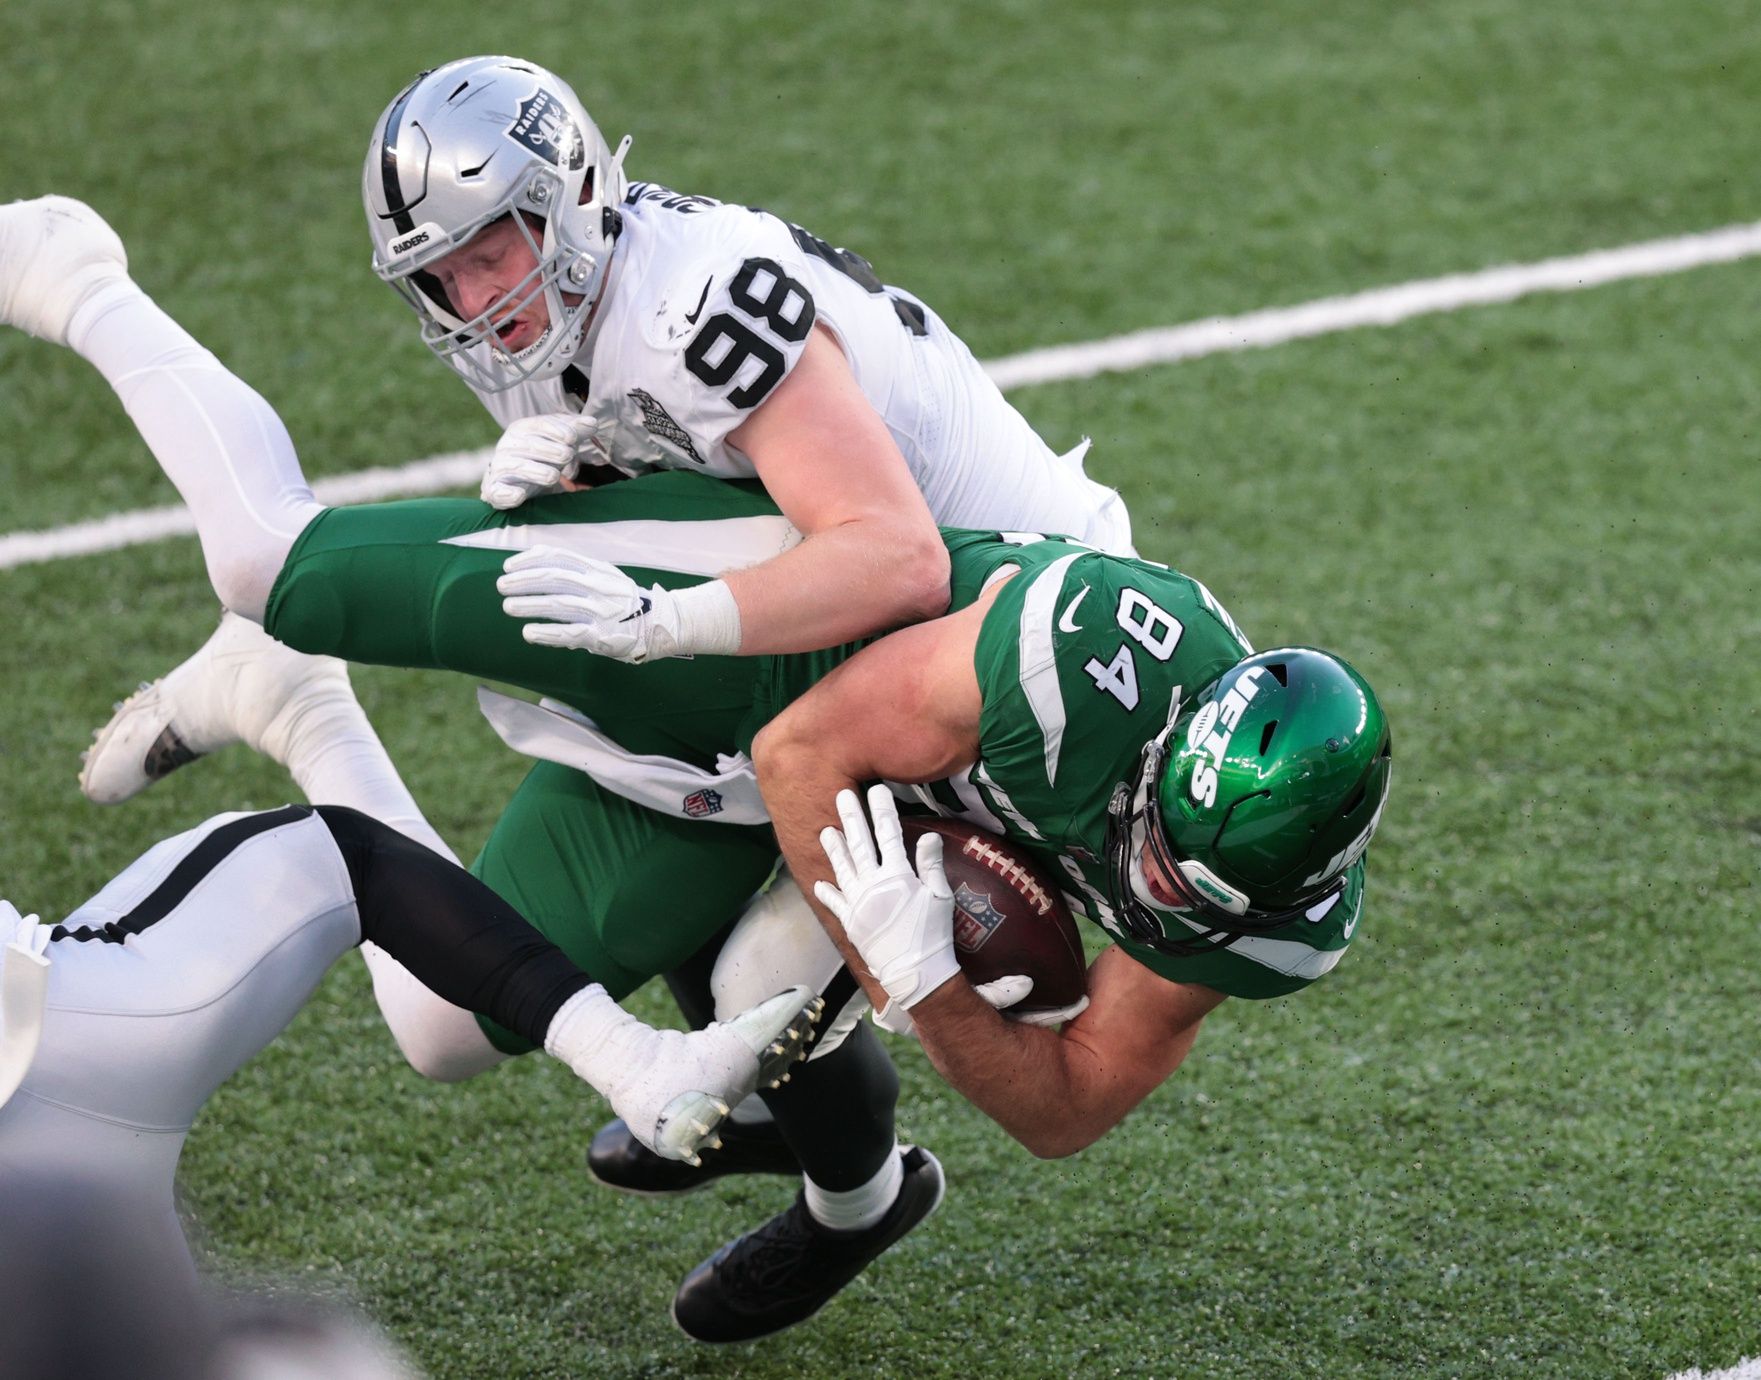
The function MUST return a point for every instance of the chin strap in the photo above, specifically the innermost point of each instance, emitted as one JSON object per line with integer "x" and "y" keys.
{"x": 24, "y": 994}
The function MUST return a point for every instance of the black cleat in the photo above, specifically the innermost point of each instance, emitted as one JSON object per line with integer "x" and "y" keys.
{"x": 618, "y": 1160}
{"x": 791, "y": 1267}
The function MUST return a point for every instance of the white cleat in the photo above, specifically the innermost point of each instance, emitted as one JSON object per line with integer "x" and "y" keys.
{"x": 242, "y": 686}
{"x": 54, "y": 252}
{"x": 775, "y": 1033}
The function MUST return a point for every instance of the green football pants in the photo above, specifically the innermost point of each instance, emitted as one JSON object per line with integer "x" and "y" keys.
{"x": 627, "y": 893}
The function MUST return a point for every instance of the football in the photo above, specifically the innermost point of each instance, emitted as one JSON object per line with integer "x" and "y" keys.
{"x": 1008, "y": 915}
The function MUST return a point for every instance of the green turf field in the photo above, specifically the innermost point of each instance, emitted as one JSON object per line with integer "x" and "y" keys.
{"x": 1513, "y": 1134}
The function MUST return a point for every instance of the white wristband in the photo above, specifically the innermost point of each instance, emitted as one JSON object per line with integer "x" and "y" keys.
{"x": 708, "y": 620}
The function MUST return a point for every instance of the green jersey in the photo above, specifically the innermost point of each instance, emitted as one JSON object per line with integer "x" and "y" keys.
{"x": 1081, "y": 659}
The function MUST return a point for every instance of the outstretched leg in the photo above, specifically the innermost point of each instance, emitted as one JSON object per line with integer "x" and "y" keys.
{"x": 63, "y": 276}
{"x": 299, "y": 711}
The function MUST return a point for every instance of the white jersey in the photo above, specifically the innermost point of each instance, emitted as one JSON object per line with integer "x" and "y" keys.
{"x": 709, "y": 307}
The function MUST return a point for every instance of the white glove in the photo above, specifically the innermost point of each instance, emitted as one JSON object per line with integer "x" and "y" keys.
{"x": 536, "y": 454}
{"x": 593, "y": 606}
{"x": 900, "y": 920}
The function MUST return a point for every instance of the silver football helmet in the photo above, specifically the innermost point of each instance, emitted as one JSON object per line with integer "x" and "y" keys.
{"x": 458, "y": 149}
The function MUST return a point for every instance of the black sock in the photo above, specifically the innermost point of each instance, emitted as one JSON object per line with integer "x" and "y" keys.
{"x": 461, "y": 940}
{"x": 836, "y": 1113}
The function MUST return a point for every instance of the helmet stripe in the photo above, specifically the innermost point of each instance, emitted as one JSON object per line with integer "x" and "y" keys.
{"x": 394, "y": 192}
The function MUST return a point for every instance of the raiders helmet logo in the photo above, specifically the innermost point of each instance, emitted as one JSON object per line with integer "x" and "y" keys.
{"x": 544, "y": 126}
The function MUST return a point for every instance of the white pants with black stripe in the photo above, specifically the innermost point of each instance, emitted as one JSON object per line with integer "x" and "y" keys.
{"x": 163, "y": 984}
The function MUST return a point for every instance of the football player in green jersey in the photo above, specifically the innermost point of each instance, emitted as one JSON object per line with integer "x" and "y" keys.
{"x": 1211, "y": 809}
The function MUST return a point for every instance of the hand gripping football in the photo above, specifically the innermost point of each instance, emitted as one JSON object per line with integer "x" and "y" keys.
{"x": 1008, "y": 915}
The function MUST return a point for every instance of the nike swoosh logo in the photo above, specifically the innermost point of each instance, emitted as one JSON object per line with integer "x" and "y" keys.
{"x": 1067, "y": 619}
{"x": 647, "y": 605}
{"x": 691, "y": 318}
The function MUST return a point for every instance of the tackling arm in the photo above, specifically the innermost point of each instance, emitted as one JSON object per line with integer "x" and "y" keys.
{"x": 872, "y": 558}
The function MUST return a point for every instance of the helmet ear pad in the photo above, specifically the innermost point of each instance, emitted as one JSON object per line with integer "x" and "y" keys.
{"x": 1201, "y": 879}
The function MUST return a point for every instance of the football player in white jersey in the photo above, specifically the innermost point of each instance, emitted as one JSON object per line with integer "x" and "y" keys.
{"x": 624, "y": 325}
{"x": 63, "y": 278}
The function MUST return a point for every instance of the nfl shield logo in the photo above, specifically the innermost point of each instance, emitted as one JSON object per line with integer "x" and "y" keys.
{"x": 975, "y": 919}
{"x": 701, "y": 803}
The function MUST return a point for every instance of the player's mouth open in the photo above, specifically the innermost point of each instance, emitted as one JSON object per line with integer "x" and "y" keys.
{"x": 1156, "y": 882}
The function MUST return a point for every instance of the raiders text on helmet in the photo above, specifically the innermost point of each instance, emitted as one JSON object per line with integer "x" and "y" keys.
{"x": 460, "y": 148}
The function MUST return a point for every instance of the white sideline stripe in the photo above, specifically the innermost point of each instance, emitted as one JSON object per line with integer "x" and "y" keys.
{"x": 1749, "y": 1368}
{"x": 1136, "y": 350}
{"x": 433, "y": 475}
{"x": 1377, "y": 307}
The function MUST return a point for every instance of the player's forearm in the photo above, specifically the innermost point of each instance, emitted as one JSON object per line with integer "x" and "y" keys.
{"x": 843, "y": 583}
{"x": 904, "y": 709}
{"x": 798, "y": 784}
{"x": 1037, "y": 1084}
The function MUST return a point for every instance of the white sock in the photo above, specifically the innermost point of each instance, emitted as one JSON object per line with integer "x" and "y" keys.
{"x": 861, "y": 1207}
{"x": 324, "y": 739}
{"x": 598, "y": 1039}
{"x": 217, "y": 440}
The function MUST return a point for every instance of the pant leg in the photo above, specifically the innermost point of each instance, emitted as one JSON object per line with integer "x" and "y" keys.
{"x": 413, "y": 584}
{"x": 626, "y": 893}
{"x": 163, "y": 984}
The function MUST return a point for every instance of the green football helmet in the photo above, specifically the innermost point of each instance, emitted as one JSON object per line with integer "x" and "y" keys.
{"x": 1252, "y": 803}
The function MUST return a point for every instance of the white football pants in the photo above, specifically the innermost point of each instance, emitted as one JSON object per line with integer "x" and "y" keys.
{"x": 229, "y": 928}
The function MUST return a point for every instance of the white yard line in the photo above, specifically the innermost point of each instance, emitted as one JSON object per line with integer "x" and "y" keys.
{"x": 1138, "y": 349}
{"x": 1749, "y": 1368}
{"x": 1377, "y": 307}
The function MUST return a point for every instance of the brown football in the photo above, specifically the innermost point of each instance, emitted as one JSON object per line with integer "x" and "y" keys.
{"x": 1008, "y": 915}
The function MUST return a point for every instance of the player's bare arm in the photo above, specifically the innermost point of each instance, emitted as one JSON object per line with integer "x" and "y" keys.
{"x": 1055, "y": 1091}
{"x": 872, "y": 557}
{"x": 1058, "y": 1092}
